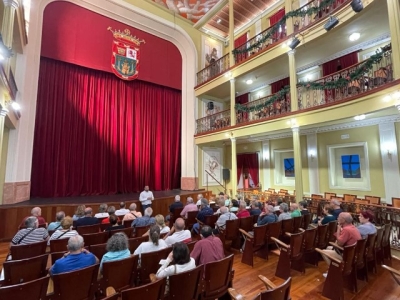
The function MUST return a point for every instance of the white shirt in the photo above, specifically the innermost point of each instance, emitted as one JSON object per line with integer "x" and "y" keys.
{"x": 166, "y": 271}
{"x": 144, "y": 195}
{"x": 121, "y": 212}
{"x": 147, "y": 247}
{"x": 101, "y": 215}
{"x": 179, "y": 236}
{"x": 165, "y": 229}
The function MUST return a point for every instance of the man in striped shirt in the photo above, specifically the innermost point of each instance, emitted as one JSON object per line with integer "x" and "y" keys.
{"x": 30, "y": 234}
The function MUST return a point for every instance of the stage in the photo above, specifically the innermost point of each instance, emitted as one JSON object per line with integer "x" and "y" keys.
{"x": 12, "y": 215}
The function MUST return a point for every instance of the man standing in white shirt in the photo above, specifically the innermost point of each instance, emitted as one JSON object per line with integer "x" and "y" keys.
{"x": 145, "y": 198}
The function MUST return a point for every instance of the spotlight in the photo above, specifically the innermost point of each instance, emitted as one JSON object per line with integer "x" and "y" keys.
{"x": 332, "y": 22}
{"x": 15, "y": 105}
{"x": 357, "y": 5}
{"x": 293, "y": 44}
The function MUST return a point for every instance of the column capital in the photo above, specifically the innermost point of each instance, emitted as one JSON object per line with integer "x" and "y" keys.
{"x": 232, "y": 80}
{"x": 233, "y": 139}
{"x": 13, "y": 3}
{"x": 296, "y": 129}
{"x": 291, "y": 52}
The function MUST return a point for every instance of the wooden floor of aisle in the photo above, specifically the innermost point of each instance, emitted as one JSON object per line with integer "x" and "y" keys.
{"x": 381, "y": 286}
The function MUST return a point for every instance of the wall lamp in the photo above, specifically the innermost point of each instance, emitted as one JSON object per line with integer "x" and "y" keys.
{"x": 357, "y": 5}
{"x": 332, "y": 22}
{"x": 293, "y": 44}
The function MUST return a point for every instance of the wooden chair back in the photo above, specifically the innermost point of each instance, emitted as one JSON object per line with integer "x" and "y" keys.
{"x": 379, "y": 236}
{"x": 191, "y": 289}
{"x": 98, "y": 250}
{"x": 95, "y": 238}
{"x": 306, "y": 221}
{"x": 175, "y": 215}
{"x": 151, "y": 291}
{"x": 134, "y": 243}
{"x": 127, "y": 223}
{"x": 360, "y": 253}
{"x": 58, "y": 245}
{"x": 24, "y": 270}
{"x": 297, "y": 223}
{"x": 120, "y": 274}
{"x": 191, "y": 219}
{"x": 78, "y": 285}
{"x": 316, "y": 196}
{"x": 272, "y": 230}
{"x": 309, "y": 239}
{"x": 320, "y": 241}
{"x": 211, "y": 220}
{"x": 191, "y": 245}
{"x": 259, "y": 235}
{"x": 149, "y": 263}
{"x": 231, "y": 231}
{"x": 127, "y": 231}
{"x": 296, "y": 245}
{"x": 51, "y": 232}
{"x": 271, "y": 190}
{"x": 396, "y": 202}
{"x": 56, "y": 255}
{"x": 348, "y": 197}
{"x": 246, "y": 223}
{"x": 217, "y": 278}
{"x": 35, "y": 289}
{"x": 348, "y": 259}
{"x": 328, "y": 196}
{"x": 370, "y": 247}
{"x": 373, "y": 199}
{"x": 88, "y": 229}
{"x": 287, "y": 226}
{"x": 281, "y": 292}
{"x": 332, "y": 226}
{"x": 386, "y": 235}
{"x": 140, "y": 230}
{"x": 26, "y": 251}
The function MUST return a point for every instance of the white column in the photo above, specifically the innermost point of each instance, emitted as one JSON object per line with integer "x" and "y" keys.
{"x": 298, "y": 177}
{"x": 312, "y": 156}
{"x": 293, "y": 81}
{"x": 266, "y": 165}
{"x": 234, "y": 168}
{"x": 390, "y": 165}
{"x": 233, "y": 101}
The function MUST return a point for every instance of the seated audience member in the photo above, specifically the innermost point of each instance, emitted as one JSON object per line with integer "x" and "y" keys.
{"x": 335, "y": 205}
{"x": 346, "y": 235}
{"x": 161, "y": 223}
{"x": 284, "y": 209}
{"x": 122, "y": 210}
{"x": 111, "y": 212}
{"x": 278, "y": 204}
{"x": 303, "y": 208}
{"x": 177, "y": 204}
{"x": 114, "y": 223}
{"x": 182, "y": 261}
{"x": 327, "y": 216}
{"x": 76, "y": 258}
{"x": 65, "y": 231}
{"x": 199, "y": 197}
{"x": 190, "y": 206}
{"x": 267, "y": 217}
{"x": 255, "y": 209}
{"x": 227, "y": 200}
{"x": 117, "y": 248}
{"x": 154, "y": 243}
{"x": 145, "y": 220}
{"x": 220, "y": 203}
{"x": 30, "y": 234}
{"x": 205, "y": 210}
{"x": 57, "y": 224}
{"x": 35, "y": 212}
{"x": 225, "y": 216}
{"x": 79, "y": 213}
{"x": 133, "y": 214}
{"x": 208, "y": 249}
{"x": 242, "y": 212}
{"x": 178, "y": 233}
{"x": 366, "y": 227}
{"x": 102, "y": 211}
{"x": 87, "y": 219}
{"x": 295, "y": 212}
{"x": 235, "y": 205}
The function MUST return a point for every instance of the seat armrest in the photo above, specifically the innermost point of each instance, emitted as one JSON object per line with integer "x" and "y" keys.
{"x": 279, "y": 242}
{"x": 336, "y": 246}
{"x": 301, "y": 229}
{"x": 200, "y": 222}
{"x": 288, "y": 234}
{"x": 394, "y": 271}
{"x": 329, "y": 256}
{"x": 396, "y": 257}
{"x": 268, "y": 283}
{"x": 235, "y": 295}
{"x": 245, "y": 233}
{"x": 110, "y": 291}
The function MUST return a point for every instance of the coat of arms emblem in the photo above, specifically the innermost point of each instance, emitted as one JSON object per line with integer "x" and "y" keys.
{"x": 125, "y": 59}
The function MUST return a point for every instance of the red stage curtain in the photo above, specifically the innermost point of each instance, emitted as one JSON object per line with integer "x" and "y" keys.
{"x": 97, "y": 134}
{"x": 248, "y": 161}
{"x": 339, "y": 63}
{"x": 275, "y": 18}
{"x": 239, "y": 42}
{"x": 242, "y": 99}
{"x": 278, "y": 85}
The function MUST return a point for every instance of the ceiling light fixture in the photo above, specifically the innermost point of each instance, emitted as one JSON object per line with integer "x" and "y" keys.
{"x": 293, "y": 44}
{"x": 357, "y": 5}
{"x": 249, "y": 81}
{"x": 15, "y": 105}
{"x": 332, "y": 22}
{"x": 359, "y": 118}
{"x": 354, "y": 36}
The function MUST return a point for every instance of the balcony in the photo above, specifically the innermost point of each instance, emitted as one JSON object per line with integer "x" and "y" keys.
{"x": 364, "y": 78}
{"x": 213, "y": 70}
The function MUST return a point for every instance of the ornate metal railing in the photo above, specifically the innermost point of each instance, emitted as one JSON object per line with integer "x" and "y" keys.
{"x": 277, "y": 107}
{"x": 247, "y": 49}
{"x": 213, "y": 122}
{"x": 380, "y": 74}
{"x": 300, "y": 23}
{"x": 213, "y": 69}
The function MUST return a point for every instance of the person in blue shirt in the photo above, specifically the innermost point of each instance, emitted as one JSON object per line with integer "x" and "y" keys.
{"x": 366, "y": 227}
{"x": 205, "y": 210}
{"x": 76, "y": 258}
{"x": 117, "y": 248}
{"x": 57, "y": 224}
{"x": 267, "y": 217}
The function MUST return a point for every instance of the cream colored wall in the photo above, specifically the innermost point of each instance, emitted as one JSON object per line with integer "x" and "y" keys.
{"x": 370, "y": 49}
{"x": 3, "y": 161}
{"x": 397, "y": 130}
{"x": 368, "y": 134}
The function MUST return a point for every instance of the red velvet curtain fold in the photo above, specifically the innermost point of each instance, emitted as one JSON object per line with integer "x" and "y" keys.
{"x": 242, "y": 99}
{"x": 340, "y": 63}
{"x": 278, "y": 85}
{"x": 248, "y": 162}
{"x": 97, "y": 134}
{"x": 239, "y": 42}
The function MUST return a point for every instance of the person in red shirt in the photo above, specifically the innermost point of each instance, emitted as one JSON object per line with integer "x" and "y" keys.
{"x": 242, "y": 212}
{"x": 111, "y": 211}
{"x": 208, "y": 249}
{"x": 35, "y": 212}
{"x": 346, "y": 234}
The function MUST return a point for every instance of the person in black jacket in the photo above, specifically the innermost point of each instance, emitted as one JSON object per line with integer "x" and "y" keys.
{"x": 173, "y": 206}
{"x": 87, "y": 219}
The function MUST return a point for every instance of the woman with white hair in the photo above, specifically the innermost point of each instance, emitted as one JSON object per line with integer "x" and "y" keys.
{"x": 117, "y": 248}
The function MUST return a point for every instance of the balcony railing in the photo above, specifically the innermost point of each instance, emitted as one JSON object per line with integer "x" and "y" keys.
{"x": 300, "y": 23}
{"x": 380, "y": 74}
{"x": 213, "y": 70}
{"x": 213, "y": 122}
{"x": 13, "y": 85}
{"x": 276, "y": 108}
{"x": 255, "y": 46}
